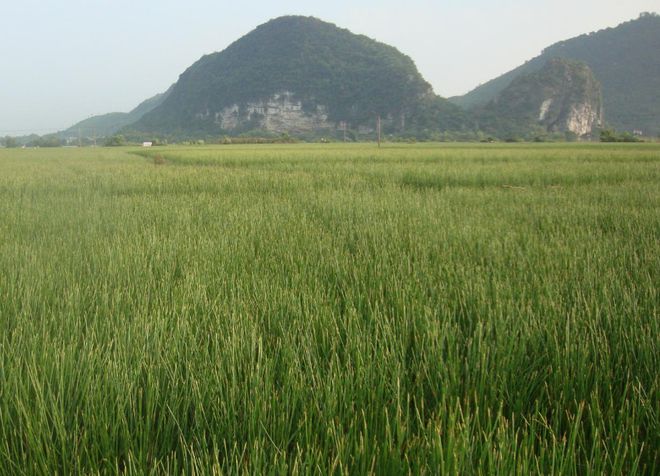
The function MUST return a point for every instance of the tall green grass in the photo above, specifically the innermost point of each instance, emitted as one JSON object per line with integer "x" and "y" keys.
{"x": 330, "y": 310}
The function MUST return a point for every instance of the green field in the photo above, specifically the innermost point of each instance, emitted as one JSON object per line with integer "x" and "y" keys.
{"x": 439, "y": 309}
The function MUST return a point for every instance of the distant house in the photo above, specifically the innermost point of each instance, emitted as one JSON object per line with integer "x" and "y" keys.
{"x": 147, "y": 144}
{"x": 638, "y": 133}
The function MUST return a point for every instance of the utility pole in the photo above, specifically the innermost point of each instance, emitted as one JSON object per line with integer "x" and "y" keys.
{"x": 79, "y": 138}
{"x": 379, "y": 131}
{"x": 344, "y": 127}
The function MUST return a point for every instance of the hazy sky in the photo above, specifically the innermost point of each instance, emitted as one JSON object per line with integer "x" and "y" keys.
{"x": 63, "y": 61}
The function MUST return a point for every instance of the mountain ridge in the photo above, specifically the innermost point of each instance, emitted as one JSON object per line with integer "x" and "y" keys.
{"x": 623, "y": 58}
{"x": 309, "y": 78}
{"x": 105, "y": 125}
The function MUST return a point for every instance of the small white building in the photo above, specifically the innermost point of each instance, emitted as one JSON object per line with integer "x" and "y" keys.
{"x": 147, "y": 144}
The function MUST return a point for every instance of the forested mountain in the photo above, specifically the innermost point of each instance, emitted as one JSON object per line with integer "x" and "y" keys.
{"x": 308, "y": 78}
{"x": 562, "y": 99}
{"x": 106, "y": 125}
{"x": 625, "y": 60}
{"x": 300, "y": 74}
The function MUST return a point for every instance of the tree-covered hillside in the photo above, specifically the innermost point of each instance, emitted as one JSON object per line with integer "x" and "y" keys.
{"x": 347, "y": 77}
{"x": 562, "y": 99}
{"x": 626, "y": 61}
{"x": 106, "y": 125}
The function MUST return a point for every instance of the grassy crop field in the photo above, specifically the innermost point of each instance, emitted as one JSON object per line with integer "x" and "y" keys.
{"x": 330, "y": 309}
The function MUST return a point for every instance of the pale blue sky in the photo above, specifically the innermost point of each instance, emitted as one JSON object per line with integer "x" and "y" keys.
{"x": 62, "y": 61}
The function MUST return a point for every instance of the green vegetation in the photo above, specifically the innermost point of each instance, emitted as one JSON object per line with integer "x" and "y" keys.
{"x": 345, "y": 81}
{"x": 50, "y": 140}
{"x": 485, "y": 309}
{"x": 354, "y": 77}
{"x": 561, "y": 86}
{"x": 610, "y": 135}
{"x": 107, "y": 125}
{"x": 115, "y": 141}
{"x": 624, "y": 60}
{"x": 9, "y": 142}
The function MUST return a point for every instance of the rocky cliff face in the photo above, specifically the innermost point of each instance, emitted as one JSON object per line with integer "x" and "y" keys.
{"x": 571, "y": 97}
{"x": 284, "y": 113}
{"x": 582, "y": 118}
{"x": 561, "y": 97}
{"x": 579, "y": 117}
{"x": 280, "y": 113}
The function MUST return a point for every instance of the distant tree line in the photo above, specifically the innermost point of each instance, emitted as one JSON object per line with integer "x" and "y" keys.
{"x": 419, "y": 134}
{"x": 611, "y": 135}
{"x": 115, "y": 141}
{"x": 9, "y": 142}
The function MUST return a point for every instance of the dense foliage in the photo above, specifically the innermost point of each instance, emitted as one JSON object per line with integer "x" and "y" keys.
{"x": 355, "y": 77}
{"x": 625, "y": 60}
{"x": 486, "y": 309}
{"x": 8, "y": 142}
{"x": 561, "y": 84}
{"x": 611, "y": 135}
{"x": 115, "y": 141}
{"x": 49, "y": 140}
